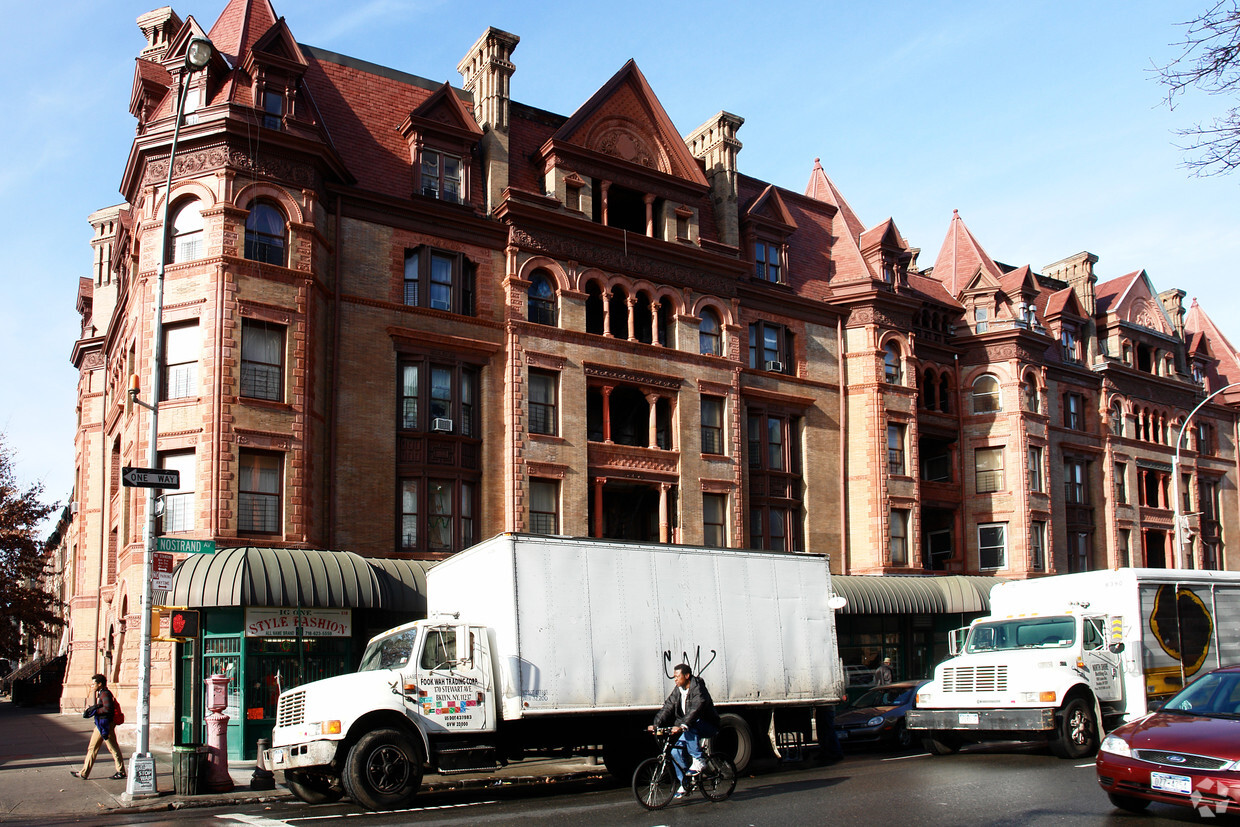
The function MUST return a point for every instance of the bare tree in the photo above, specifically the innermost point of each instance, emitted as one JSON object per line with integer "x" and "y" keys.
{"x": 1209, "y": 60}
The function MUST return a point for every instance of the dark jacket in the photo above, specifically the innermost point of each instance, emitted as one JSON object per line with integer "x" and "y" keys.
{"x": 699, "y": 708}
{"x": 102, "y": 711}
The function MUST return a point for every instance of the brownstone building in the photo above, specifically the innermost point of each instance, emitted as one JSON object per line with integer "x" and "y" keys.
{"x": 400, "y": 317}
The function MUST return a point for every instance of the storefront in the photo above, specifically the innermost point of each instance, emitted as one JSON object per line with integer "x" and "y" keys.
{"x": 272, "y": 619}
{"x": 906, "y": 618}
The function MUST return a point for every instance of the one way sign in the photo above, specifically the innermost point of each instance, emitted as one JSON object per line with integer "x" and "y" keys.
{"x": 150, "y": 478}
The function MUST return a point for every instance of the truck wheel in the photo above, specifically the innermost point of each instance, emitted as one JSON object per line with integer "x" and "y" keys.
{"x": 383, "y": 770}
{"x": 313, "y": 788}
{"x": 1077, "y": 732}
{"x": 734, "y": 740}
{"x": 941, "y": 743}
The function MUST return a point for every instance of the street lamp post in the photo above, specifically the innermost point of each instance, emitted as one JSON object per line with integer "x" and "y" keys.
{"x": 1180, "y": 525}
{"x": 141, "y": 781}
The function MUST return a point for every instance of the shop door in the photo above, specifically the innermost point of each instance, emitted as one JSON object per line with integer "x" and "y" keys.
{"x": 273, "y": 665}
{"x": 221, "y": 655}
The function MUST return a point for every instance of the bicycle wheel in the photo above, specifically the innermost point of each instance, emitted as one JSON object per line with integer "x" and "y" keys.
{"x": 717, "y": 778}
{"x": 654, "y": 783}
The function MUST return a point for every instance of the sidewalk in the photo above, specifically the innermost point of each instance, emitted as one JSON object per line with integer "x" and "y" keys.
{"x": 40, "y": 746}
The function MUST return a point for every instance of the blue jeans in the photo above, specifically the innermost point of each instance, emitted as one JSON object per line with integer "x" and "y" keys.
{"x": 690, "y": 740}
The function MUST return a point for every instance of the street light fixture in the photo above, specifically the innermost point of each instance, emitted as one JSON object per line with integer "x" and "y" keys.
{"x": 141, "y": 781}
{"x": 1180, "y": 525}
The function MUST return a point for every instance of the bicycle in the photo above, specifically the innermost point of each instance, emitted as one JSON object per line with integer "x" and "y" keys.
{"x": 654, "y": 780}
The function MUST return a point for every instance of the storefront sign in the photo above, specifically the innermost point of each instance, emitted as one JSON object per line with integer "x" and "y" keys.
{"x": 266, "y": 622}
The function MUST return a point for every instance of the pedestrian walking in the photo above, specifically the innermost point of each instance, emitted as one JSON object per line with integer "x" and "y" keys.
{"x": 884, "y": 675}
{"x": 103, "y": 710}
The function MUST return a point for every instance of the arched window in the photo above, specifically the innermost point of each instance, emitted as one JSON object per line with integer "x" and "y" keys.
{"x": 891, "y": 364}
{"x": 1029, "y": 394}
{"x": 710, "y": 338}
{"x": 594, "y": 308}
{"x": 264, "y": 234}
{"x": 986, "y": 394}
{"x": 540, "y": 304}
{"x": 1117, "y": 419}
{"x": 185, "y": 242}
{"x": 945, "y": 393}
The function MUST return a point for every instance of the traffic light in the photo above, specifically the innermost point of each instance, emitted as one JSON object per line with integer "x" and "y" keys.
{"x": 183, "y": 624}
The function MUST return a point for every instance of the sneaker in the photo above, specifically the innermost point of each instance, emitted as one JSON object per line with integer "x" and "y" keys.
{"x": 118, "y": 775}
{"x": 681, "y": 793}
{"x": 77, "y": 774}
{"x": 696, "y": 766}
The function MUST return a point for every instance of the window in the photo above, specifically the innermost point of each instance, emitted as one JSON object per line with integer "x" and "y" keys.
{"x": 185, "y": 241}
{"x": 988, "y": 467}
{"x": 986, "y": 394}
{"x": 1037, "y": 545}
{"x": 179, "y": 504}
{"x": 1117, "y": 419}
{"x": 770, "y": 347}
{"x": 409, "y": 390}
{"x": 1035, "y": 468}
{"x": 1125, "y": 547}
{"x": 895, "y": 449}
{"x": 1075, "y": 488}
{"x": 439, "y": 280}
{"x": 443, "y": 394}
{"x": 572, "y": 196}
{"x": 273, "y": 109}
{"x": 1121, "y": 483}
{"x": 182, "y": 344}
{"x": 767, "y": 260}
{"x": 714, "y": 520}
{"x": 892, "y": 374}
{"x": 262, "y": 360}
{"x": 1205, "y": 438}
{"x": 775, "y": 483}
{"x": 710, "y": 337}
{"x": 409, "y": 515}
{"x": 1074, "y": 411}
{"x": 712, "y": 425}
{"x": 540, "y": 305}
{"x": 440, "y": 508}
{"x": 898, "y": 536}
{"x": 258, "y": 493}
{"x": 543, "y": 396}
{"x": 1186, "y": 493}
{"x": 981, "y": 319}
{"x": 1030, "y": 395}
{"x": 441, "y": 176}
{"x": 264, "y": 234}
{"x": 544, "y": 506}
{"x": 992, "y": 546}
{"x": 1071, "y": 345}
{"x": 1078, "y": 551}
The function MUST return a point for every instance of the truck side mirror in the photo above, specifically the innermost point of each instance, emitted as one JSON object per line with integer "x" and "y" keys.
{"x": 1116, "y": 648}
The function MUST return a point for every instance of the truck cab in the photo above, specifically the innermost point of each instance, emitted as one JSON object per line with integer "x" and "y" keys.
{"x": 1028, "y": 675}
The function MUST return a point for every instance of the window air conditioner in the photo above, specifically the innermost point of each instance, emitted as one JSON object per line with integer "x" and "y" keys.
{"x": 775, "y": 366}
{"x": 74, "y": 507}
{"x": 441, "y": 425}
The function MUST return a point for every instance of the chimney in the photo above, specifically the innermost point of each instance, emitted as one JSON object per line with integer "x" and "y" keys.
{"x": 159, "y": 27}
{"x": 1078, "y": 272}
{"x": 715, "y": 143}
{"x": 486, "y": 72}
{"x": 1173, "y": 302}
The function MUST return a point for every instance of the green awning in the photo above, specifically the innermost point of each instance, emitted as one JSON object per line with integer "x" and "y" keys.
{"x": 914, "y": 594}
{"x": 308, "y": 578}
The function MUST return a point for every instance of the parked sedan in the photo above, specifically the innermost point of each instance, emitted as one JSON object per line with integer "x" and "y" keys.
{"x": 1186, "y": 753}
{"x": 876, "y": 716}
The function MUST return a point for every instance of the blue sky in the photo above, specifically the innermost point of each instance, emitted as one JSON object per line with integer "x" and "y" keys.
{"x": 1039, "y": 122}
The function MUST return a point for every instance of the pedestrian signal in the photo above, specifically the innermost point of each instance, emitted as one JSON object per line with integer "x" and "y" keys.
{"x": 183, "y": 623}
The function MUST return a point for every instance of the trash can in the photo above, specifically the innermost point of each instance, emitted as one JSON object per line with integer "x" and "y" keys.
{"x": 188, "y": 762}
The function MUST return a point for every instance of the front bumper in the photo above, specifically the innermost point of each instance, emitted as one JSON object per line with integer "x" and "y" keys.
{"x": 982, "y": 720}
{"x": 1211, "y": 792}
{"x": 301, "y": 756}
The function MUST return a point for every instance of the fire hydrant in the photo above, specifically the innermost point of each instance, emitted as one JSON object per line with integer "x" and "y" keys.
{"x": 218, "y": 779}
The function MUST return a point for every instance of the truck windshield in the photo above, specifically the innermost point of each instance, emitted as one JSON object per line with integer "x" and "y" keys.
{"x": 1022, "y": 633}
{"x": 390, "y": 651}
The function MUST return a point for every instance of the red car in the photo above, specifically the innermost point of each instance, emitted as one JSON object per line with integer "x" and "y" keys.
{"x": 1187, "y": 753}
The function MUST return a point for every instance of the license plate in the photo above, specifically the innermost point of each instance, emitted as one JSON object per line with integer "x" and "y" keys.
{"x": 1171, "y": 783}
{"x": 970, "y": 718}
{"x": 277, "y": 756}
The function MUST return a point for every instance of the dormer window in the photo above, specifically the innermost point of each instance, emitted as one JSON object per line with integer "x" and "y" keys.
{"x": 441, "y": 176}
{"x": 768, "y": 262}
{"x": 1071, "y": 345}
{"x": 273, "y": 108}
{"x": 981, "y": 319}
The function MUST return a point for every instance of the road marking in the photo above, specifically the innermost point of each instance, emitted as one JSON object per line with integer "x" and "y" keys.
{"x": 260, "y": 821}
{"x": 902, "y": 757}
{"x": 1083, "y": 766}
{"x": 257, "y": 821}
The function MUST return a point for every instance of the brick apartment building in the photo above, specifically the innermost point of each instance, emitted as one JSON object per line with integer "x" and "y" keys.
{"x": 400, "y": 317}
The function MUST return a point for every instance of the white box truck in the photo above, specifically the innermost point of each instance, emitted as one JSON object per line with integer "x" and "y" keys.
{"x": 1069, "y": 656}
{"x": 535, "y": 642}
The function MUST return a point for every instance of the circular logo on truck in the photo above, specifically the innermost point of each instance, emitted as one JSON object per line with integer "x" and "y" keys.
{"x": 1182, "y": 624}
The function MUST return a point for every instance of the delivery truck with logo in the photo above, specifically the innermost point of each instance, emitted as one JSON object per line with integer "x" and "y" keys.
{"x": 1066, "y": 657}
{"x": 535, "y": 642}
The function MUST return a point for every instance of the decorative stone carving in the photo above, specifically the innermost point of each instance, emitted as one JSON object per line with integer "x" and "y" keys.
{"x": 625, "y": 144}
{"x": 632, "y": 377}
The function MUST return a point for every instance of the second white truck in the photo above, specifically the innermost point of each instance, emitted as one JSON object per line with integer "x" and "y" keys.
{"x": 537, "y": 642}
{"x": 1067, "y": 657}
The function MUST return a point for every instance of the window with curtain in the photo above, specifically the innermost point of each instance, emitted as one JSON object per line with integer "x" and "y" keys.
{"x": 540, "y": 302}
{"x": 544, "y": 506}
{"x": 264, "y": 234}
{"x": 258, "y": 493}
{"x": 182, "y": 344}
{"x": 542, "y": 402}
{"x": 986, "y": 394}
{"x": 988, "y": 467}
{"x": 1035, "y": 468}
{"x": 714, "y": 520}
{"x": 892, "y": 374}
{"x": 898, "y": 540}
{"x": 185, "y": 242}
{"x": 1037, "y": 545}
{"x": 712, "y": 425}
{"x": 262, "y": 360}
{"x": 992, "y": 546}
{"x": 709, "y": 334}
{"x": 179, "y": 504}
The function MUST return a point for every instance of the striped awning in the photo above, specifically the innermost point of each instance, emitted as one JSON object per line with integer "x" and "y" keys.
{"x": 308, "y": 578}
{"x": 914, "y": 594}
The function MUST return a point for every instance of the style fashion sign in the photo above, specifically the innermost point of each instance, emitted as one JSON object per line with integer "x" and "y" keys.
{"x": 266, "y": 622}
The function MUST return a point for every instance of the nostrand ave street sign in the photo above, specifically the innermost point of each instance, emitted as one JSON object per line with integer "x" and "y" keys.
{"x": 150, "y": 478}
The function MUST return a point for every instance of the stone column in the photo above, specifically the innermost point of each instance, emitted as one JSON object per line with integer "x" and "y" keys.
{"x": 664, "y": 521}
{"x": 607, "y": 389}
{"x": 652, "y": 440}
{"x": 599, "y": 482}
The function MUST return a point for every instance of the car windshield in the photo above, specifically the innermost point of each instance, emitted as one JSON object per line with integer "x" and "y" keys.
{"x": 1022, "y": 633}
{"x": 391, "y": 651}
{"x": 883, "y": 696}
{"x": 1214, "y": 695}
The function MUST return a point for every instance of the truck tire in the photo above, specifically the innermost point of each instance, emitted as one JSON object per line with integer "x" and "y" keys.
{"x": 313, "y": 788}
{"x": 734, "y": 740}
{"x": 941, "y": 743}
{"x": 383, "y": 770}
{"x": 1076, "y": 731}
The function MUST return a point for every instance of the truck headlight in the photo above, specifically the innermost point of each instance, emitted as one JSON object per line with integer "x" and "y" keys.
{"x": 1116, "y": 746}
{"x": 922, "y": 698}
{"x": 875, "y": 721}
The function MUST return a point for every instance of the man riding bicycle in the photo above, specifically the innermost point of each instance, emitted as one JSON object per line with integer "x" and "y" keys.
{"x": 691, "y": 712}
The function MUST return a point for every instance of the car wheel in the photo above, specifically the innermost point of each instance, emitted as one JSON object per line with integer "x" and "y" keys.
{"x": 1129, "y": 803}
{"x": 1077, "y": 732}
{"x": 383, "y": 770}
{"x": 904, "y": 738}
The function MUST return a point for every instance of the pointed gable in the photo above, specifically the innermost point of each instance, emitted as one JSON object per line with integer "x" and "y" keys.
{"x": 961, "y": 257}
{"x": 1063, "y": 303}
{"x": 769, "y": 209}
{"x": 822, "y": 188}
{"x": 1223, "y": 368}
{"x": 442, "y": 112}
{"x": 1132, "y": 298}
{"x": 240, "y": 26}
{"x": 624, "y": 120}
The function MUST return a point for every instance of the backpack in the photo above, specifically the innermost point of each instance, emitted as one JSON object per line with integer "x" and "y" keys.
{"x": 118, "y": 714}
